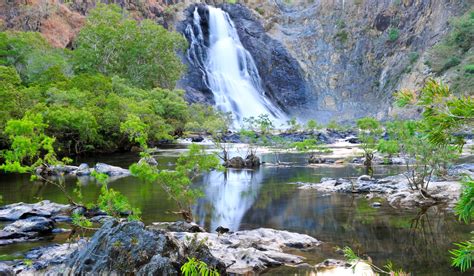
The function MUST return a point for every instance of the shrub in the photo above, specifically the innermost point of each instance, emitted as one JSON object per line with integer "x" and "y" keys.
{"x": 369, "y": 134}
{"x": 469, "y": 68}
{"x": 393, "y": 34}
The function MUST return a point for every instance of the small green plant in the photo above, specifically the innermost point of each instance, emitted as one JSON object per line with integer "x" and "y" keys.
{"x": 312, "y": 125}
{"x": 293, "y": 125}
{"x": 260, "y": 10}
{"x": 393, "y": 34}
{"x": 369, "y": 135}
{"x": 469, "y": 68}
{"x": 342, "y": 36}
{"x": 195, "y": 267}
{"x": 413, "y": 57}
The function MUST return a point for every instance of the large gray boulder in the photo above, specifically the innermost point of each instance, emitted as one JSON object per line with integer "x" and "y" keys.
{"x": 40, "y": 225}
{"x": 22, "y": 210}
{"x": 110, "y": 170}
{"x": 131, "y": 248}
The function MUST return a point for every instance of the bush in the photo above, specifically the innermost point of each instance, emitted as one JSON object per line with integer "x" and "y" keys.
{"x": 469, "y": 68}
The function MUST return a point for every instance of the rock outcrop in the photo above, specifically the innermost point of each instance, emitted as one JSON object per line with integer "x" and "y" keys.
{"x": 130, "y": 247}
{"x": 395, "y": 189}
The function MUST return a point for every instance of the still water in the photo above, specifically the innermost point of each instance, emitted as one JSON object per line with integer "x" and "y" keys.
{"x": 416, "y": 240}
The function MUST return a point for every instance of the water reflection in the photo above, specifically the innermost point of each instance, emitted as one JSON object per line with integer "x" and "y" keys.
{"x": 229, "y": 195}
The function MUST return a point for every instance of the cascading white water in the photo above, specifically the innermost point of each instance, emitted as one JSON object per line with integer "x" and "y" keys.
{"x": 230, "y": 69}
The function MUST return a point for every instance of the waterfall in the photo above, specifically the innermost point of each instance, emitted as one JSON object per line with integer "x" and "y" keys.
{"x": 228, "y": 69}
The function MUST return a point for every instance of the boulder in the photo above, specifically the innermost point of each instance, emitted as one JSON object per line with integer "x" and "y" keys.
{"x": 56, "y": 170}
{"x": 148, "y": 160}
{"x": 6, "y": 270}
{"x": 364, "y": 178}
{"x": 128, "y": 247}
{"x": 111, "y": 170}
{"x": 22, "y": 210}
{"x": 252, "y": 251}
{"x": 313, "y": 159}
{"x": 252, "y": 161}
{"x": 236, "y": 162}
{"x": 40, "y": 225}
{"x": 83, "y": 169}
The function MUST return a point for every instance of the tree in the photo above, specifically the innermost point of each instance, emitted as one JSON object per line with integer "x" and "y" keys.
{"x": 443, "y": 114}
{"x": 177, "y": 183}
{"x": 369, "y": 133}
{"x": 110, "y": 40}
{"x": 422, "y": 158}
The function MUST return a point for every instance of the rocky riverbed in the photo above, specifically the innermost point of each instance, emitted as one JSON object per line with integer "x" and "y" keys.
{"x": 396, "y": 189}
{"x": 132, "y": 247}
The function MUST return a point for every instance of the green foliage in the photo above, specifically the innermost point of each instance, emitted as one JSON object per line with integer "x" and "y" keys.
{"x": 342, "y": 36}
{"x": 30, "y": 146}
{"x": 261, "y": 124}
{"x": 85, "y": 112}
{"x": 293, "y": 125}
{"x": 310, "y": 145}
{"x": 453, "y": 53}
{"x": 369, "y": 134}
{"x": 469, "y": 68}
{"x": 443, "y": 114}
{"x": 110, "y": 40}
{"x": 413, "y": 57}
{"x": 312, "y": 125}
{"x": 205, "y": 118}
{"x": 195, "y": 267}
{"x": 422, "y": 157}
{"x": 333, "y": 125}
{"x": 136, "y": 130}
{"x": 177, "y": 183}
{"x": 353, "y": 258}
{"x": 80, "y": 221}
{"x": 463, "y": 256}
{"x": 465, "y": 206}
{"x": 393, "y": 34}
{"x": 32, "y": 56}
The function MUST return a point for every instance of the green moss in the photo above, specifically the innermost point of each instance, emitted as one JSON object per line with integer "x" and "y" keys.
{"x": 393, "y": 34}
{"x": 342, "y": 36}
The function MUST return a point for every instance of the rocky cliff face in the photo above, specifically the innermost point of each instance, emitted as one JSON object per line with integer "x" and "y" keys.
{"x": 329, "y": 60}
{"x": 356, "y": 53}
